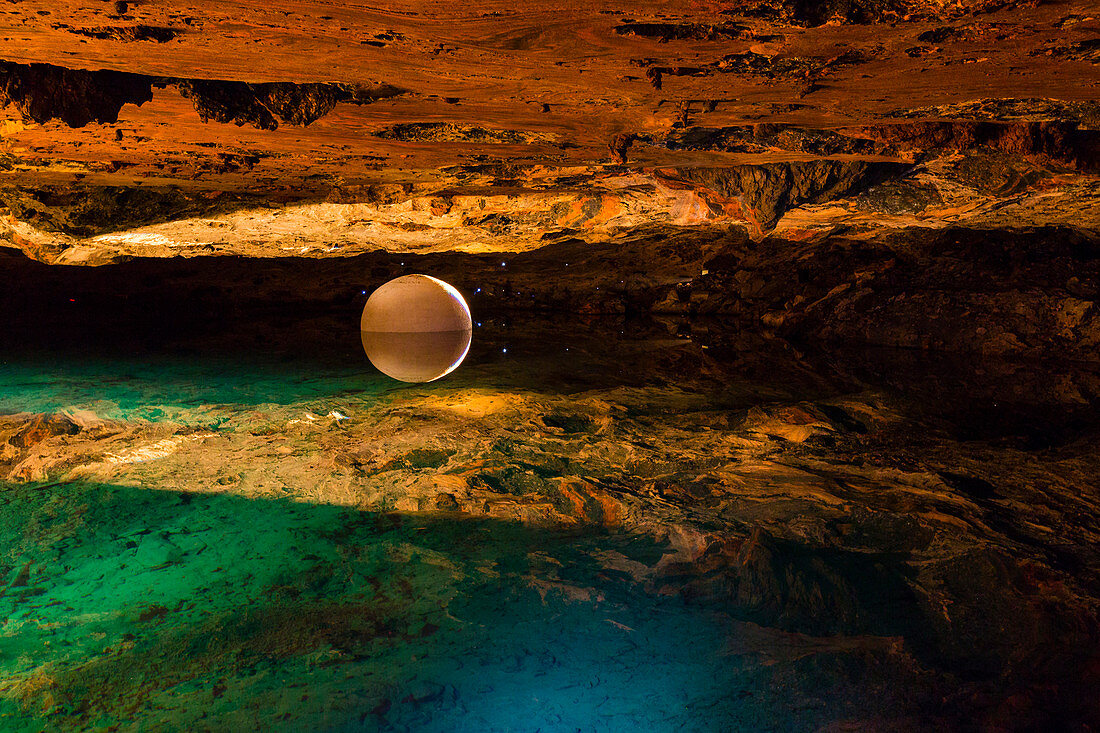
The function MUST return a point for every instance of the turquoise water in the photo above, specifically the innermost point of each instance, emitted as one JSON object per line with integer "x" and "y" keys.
{"x": 195, "y": 612}
{"x": 133, "y": 607}
{"x": 140, "y": 385}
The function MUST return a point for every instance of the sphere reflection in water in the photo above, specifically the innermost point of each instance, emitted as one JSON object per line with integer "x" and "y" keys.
{"x": 416, "y": 328}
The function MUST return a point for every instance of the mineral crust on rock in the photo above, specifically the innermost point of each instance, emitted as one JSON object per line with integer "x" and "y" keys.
{"x": 779, "y": 414}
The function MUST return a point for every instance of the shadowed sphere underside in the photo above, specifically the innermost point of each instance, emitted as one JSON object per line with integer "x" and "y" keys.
{"x": 416, "y": 357}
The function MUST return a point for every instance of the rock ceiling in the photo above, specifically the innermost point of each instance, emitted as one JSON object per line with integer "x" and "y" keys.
{"x": 195, "y": 202}
{"x": 137, "y": 129}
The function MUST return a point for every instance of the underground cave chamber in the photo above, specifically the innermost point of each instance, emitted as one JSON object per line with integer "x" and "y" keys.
{"x": 765, "y": 396}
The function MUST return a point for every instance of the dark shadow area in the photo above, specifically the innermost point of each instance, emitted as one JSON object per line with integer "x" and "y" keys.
{"x": 1028, "y": 404}
{"x": 1026, "y": 293}
{"x": 200, "y": 609}
{"x": 227, "y": 316}
{"x": 43, "y": 92}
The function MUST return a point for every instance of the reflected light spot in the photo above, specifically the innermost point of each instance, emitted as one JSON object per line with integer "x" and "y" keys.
{"x": 478, "y": 405}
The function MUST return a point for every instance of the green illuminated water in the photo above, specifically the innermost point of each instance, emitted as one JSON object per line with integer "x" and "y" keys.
{"x": 133, "y": 607}
{"x": 137, "y": 608}
{"x": 221, "y": 612}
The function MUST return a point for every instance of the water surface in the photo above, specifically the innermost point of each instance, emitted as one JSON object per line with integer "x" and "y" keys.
{"x": 592, "y": 524}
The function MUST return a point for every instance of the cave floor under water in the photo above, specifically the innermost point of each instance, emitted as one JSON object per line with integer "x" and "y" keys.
{"x": 598, "y": 524}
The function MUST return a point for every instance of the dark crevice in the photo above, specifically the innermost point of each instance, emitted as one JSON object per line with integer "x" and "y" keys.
{"x": 124, "y": 33}
{"x": 665, "y": 32}
{"x": 44, "y": 92}
{"x": 1055, "y": 140}
{"x": 813, "y": 13}
{"x": 450, "y": 132}
{"x": 769, "y": 190}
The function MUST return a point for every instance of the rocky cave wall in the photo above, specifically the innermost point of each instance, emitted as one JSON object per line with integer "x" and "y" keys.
{"x": 203, "y": 198}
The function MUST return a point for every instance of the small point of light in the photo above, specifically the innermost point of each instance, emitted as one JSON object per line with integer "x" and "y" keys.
{"x": 505, "y": 351}
{"x": 503, "y": 264}
{"x": 479, "y": 290}
{"x": 72, "y": 300}
{"x": 479, "y": 323}
{"x": 362, "y": 292}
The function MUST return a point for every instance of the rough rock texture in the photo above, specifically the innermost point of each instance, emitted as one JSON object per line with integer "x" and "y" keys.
{"x": 831, "y": 466}
{"x": 86, "y": 211}
{"x": 265, "y": 105}
{"x": 874, "y": 519}
{"x": 42, "y": 92}
{"x": 561, "y": 100}
{"x": 763, "y": 193}
{"x": 126, "y": 33}
{"x": 801, "y": 12}
{"x": 1052, "y": 140}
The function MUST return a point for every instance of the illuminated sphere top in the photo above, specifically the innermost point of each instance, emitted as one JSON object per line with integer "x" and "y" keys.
{"x": 416, "y": 328}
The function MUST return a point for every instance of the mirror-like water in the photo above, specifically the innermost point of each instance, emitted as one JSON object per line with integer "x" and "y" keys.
{"x": 593, "y": 525}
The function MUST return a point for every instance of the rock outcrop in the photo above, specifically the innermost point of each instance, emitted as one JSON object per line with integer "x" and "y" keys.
{"x": 43, "y": 92}
{"x": 761, "y": 194}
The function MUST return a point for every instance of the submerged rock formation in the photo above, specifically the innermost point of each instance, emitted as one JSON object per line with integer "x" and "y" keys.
{"x": 873, "y": 518}
{"x": 780, "y": 411}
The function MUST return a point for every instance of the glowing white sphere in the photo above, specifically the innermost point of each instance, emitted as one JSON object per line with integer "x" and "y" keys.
{"x": 416, "y": 328}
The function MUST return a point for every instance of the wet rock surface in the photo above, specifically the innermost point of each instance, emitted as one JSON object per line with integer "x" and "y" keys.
{"x": 829, "y": 465}
{"x": 773, "y": 534}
